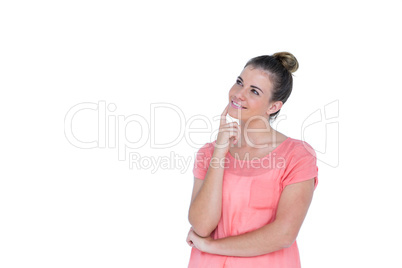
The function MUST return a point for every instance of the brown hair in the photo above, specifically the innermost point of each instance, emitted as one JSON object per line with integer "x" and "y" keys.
{"x": 280, "y": 67}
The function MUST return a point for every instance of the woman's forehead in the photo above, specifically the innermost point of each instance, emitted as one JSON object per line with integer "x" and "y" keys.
{"x": 254, "y": 75}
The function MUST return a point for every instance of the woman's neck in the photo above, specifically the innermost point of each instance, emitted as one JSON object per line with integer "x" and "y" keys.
{"x": 257, "y": 134}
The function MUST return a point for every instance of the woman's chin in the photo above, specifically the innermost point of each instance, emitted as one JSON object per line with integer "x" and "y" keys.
{"x": 235, "y": 113}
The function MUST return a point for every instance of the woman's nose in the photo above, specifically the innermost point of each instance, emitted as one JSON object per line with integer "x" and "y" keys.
{"x": 240, "y": 94}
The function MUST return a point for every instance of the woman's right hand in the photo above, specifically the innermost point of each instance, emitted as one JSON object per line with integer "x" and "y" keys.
{"x": 229, "y": 133}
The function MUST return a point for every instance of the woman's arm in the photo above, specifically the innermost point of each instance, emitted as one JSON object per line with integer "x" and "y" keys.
{"x": 206, "y": 204}
{"x": 292, "y": 209}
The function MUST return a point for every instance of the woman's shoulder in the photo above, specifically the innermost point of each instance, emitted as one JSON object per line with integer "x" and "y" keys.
{"x": 297, "y": 142}
{"x": 207, "y": 148}
{"x": 296, "y": 146}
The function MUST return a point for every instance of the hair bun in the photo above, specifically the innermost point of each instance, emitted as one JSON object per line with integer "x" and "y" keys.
{"x": 288, "y": 61}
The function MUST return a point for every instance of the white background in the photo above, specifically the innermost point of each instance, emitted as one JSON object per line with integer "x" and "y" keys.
{"x": 64, "y": 206}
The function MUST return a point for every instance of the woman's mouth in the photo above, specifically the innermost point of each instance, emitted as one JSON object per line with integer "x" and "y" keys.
{"x": 236, "y": 105}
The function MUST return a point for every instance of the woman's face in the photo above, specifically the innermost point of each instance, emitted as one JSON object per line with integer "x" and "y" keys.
{"x": 252, "y": 91}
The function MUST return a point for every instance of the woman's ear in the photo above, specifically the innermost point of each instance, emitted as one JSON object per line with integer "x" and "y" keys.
{"x": 274, "y": 107}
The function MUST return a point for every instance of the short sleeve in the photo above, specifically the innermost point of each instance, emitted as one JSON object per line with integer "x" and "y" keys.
{"x": 202, "y": 159}
{"x": 301, "y": 166}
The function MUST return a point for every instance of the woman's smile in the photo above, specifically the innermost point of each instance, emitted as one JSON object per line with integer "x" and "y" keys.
{"x": 236, "y": 105}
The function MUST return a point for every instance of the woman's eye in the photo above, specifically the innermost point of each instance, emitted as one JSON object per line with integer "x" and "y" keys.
{"x": 238, "y": 81}
{"x": 255, "y": 92}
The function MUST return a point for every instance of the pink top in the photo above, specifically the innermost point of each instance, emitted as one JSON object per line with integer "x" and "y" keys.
{"x": 250, "y": 196}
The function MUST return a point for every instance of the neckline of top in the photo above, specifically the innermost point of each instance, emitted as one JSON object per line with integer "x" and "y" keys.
{"x": 259, "y": 159}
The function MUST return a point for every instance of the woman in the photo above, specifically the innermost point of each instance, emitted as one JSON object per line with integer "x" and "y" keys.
{"x": 253, "y": 185}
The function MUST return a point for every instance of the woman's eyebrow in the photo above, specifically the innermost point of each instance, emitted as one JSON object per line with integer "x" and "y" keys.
{"x": 241, "y": 79}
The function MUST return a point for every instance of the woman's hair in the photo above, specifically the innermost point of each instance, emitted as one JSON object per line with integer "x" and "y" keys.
{"x": 280, "y": 67}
